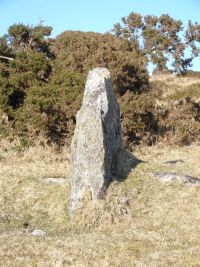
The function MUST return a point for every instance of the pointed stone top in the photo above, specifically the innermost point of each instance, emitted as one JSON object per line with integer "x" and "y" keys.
{"x": 102, "y": 73}
{"x": 98, "y": 89}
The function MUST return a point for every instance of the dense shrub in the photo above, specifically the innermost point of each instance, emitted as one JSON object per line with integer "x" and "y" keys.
{"x": 179, "y": 123}
{"x": 139, "y": 120}
{"x": 50, "y": 109}
{"x": 41, "y": 89}
{"x": 78, "y": 51}
{"x": 27, "y": 64}
{"x": 41, "y": 95}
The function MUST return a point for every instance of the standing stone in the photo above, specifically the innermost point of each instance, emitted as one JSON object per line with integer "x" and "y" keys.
{"x": 96, "y": 139}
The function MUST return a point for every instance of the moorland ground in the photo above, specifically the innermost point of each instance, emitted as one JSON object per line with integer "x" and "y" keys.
{"x": 141, "y": 222}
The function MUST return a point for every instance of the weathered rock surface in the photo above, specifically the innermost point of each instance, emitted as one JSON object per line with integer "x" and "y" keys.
{"x": 39, "y": 233}
{"x": 169, "y": 177}
{"x": 96, "y": 139}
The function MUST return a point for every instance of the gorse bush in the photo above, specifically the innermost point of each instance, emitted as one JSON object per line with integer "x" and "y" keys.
{"x": 42, "y": 82}
{"x": 50, "y": 110}
{"x": 30, "y": 64}
{"x": 43, "y": 87}
{"x": 80, "y": 52}
{"x": 180, "y": 122}
{"x": 139, "y": 123}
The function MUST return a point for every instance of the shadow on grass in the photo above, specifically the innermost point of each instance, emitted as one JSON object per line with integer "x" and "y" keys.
{"x": 125, "y": 164}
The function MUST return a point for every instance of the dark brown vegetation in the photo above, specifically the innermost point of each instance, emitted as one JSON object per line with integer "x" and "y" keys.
{"x": 42, "y": 82}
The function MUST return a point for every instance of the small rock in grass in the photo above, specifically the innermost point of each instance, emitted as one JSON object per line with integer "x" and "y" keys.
{"x": 39, "y": 233}
{"x": 54, "y": 180}
{"x": 168, "y": 177}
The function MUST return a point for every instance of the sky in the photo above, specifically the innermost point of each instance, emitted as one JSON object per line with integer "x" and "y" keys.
{"x": 91, "y": 15}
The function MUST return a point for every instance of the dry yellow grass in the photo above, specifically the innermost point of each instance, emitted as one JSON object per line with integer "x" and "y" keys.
{"x": 175, "y": 88}
{"x": 172, "y": 79}
{"x": 141, "y": 222}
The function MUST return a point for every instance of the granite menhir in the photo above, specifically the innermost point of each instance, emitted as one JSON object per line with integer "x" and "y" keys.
{"x": 96, "y": 139}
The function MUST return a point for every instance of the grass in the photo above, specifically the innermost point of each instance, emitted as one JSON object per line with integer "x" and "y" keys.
{"x": 177, "y": 87}
{"x": 172, "y": 79}
{"x": 141, "y": 222}
{"x": 24, "y": 190}
{"x": 192, "y": 91}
